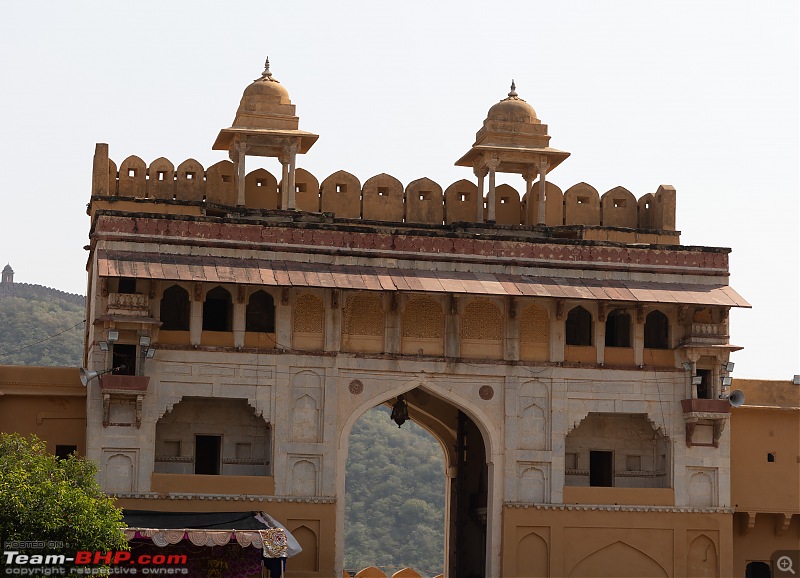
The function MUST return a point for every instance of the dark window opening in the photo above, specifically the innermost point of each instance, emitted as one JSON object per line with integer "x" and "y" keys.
{"x": 340, "y": 188}
{"x": 207, "y": 454}
{"x": 126, "y": 285}
{"x": 601, "y": 469}
{"x": 656, "y": 331}
{"x": 260, "y": 315}
{"x": 63, "y": 451}
{"x": 618, "y": 329}
{"x": 757, "y": 570}
{"x": 704, "y": 387}
{"x": 175, "y": 309}
{"x": 124, "y": 359}
{"x": 771, "y": 457}
{"x": 217, "y": 310}
{"x": 579, "y": 327}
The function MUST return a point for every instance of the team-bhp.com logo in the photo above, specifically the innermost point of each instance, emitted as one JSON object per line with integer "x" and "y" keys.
{"x": 86, "y": 562}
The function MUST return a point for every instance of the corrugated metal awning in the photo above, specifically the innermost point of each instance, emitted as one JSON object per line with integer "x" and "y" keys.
{"x": 349, "y": 277}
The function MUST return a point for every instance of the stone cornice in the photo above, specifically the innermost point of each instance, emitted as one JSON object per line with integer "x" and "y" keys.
{"x": 224, "y": 497}
{"x": 441, "y": 245}
{"x": 619, "y": 508}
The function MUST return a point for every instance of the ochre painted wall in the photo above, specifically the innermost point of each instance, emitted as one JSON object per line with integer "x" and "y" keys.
{"x": 586, "y": 542}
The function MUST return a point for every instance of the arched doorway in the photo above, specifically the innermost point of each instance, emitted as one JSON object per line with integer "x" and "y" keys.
{"x": 468, "y": 505}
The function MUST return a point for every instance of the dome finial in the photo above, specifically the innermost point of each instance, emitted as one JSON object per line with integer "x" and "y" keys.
{"x": 266, "y": 75}
{"x": 513, "y": 92}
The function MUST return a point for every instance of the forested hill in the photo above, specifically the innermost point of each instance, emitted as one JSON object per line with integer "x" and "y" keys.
{"x": 40, "y": 325}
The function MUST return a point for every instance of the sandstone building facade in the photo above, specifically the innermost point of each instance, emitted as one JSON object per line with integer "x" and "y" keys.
{"x": 566, "y": 350}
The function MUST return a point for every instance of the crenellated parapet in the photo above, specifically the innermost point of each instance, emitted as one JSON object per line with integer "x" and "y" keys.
{"x": 160, "y": 187}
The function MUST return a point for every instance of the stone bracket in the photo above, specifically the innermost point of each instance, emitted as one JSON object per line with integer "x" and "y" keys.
{"x": 782, "y": 524}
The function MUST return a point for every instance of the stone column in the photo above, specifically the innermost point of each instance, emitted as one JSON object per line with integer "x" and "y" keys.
{"x": 511, "y": 341}
{"x": 480, "y": 172}
{"x": 392, "y": 323}
{"x": 196, "y": 318}
{"x": 333, "y": 320}
{"x": 238, "y": 158}
{"x": 285, "y": 183}
{"x": 283, "y": 319}
{"x": 238, "y": 325}
{"x": 529, "y": 175}
{"x": 292, "y": 203}
{"x": 542, "y": 188}
{"x": 492, "y": 215}
{"x": 452, "y": 336}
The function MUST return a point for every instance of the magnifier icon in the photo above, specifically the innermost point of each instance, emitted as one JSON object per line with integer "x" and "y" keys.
{"x": 785, "y": 564}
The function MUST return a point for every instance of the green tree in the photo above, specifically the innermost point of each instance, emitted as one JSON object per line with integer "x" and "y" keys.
{"x": 44, "y": 498}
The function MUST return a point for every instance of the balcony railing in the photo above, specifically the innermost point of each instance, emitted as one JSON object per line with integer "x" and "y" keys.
{"x": 132, "y": 304}
{"x": 706, "y": 333}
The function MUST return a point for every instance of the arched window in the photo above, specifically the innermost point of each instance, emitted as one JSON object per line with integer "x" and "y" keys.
{"x": 260, "y": 313}
{"x": 618, "y": 329}
{"x": 217, "y": 310}
{"x": 579, "y": 327}
{"x": 757, "y": 570}
{"x": 656, "y": 330}
{"x": 175, "y": 309}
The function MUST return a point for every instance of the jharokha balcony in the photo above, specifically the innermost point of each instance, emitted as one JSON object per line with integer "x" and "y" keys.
{"x": 705, "y": 420}
{"x": 126, "y": 393}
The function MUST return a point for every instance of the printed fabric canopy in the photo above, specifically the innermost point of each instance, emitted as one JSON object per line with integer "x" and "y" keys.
{"x": 208, "y": 529}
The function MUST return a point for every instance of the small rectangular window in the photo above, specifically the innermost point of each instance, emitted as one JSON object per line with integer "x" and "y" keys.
{"x": 704, "y": 387}
{"x": 504, "y": 200}
{"x": 463, "y": 197}
{"x": 244, "y": 451}
{"x": 227, "y": 178}
{"x": 63, "y": 451}
{"x": 601, "y": 468}
{"x": 261, "y": 182}
{"x": 633, "y": 463}
{"x": 126, "y": 285}
{"x": 161, "y": 175}
{"x": 583, "y": 200}
{"x": 383, "y": 192}
{"x": 425, "y": 196}
{"x": 771, "y": 457}
{"x": 340, "y": 188}
{"x": 123, "y": 357}
{"x": 131, "y": 172}
{"x": 207, "y": 454}
{"x": 300, "y": 188}
{"x": 189, "y": 176}
{"x": 619, "y": 203}
{"x": 172, "y": 448}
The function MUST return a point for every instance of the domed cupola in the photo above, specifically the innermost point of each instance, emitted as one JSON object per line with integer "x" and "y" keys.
{"x": 266, "y": 125}
{"x": 511, "y": 140}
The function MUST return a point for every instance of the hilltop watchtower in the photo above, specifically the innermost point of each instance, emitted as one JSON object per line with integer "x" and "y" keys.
{"x": 8, "y": 275}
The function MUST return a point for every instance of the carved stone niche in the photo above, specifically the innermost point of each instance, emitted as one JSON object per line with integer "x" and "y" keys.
{"x": 124, "y": 389}
{"x": 705, "y": 420}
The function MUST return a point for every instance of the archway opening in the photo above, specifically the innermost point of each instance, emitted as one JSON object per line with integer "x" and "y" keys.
{"x": 417, "y": 496}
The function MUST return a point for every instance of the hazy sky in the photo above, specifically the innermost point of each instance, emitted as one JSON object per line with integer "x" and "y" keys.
{"x": 699, "y": 95}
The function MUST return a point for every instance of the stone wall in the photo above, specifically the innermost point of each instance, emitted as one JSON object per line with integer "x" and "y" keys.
{"x": 382, "y": 197}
